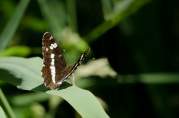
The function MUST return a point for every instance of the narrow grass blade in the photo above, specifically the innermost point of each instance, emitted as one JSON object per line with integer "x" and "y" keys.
{"x": 151, "y": 78}
{"x": 128, "y": 7}
{"x": 12, "y": 25}
{"x": 2, "y": 114}
{"x": 71, "y": 12}
{"x": 6, "y": 106}
{"x": 107, "y": 8}
{"x": 54, "y": 12}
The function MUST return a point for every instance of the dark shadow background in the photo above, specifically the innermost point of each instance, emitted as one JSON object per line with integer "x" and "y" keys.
{"x": 146, "y": 42}
{"x": 143, "y": 43}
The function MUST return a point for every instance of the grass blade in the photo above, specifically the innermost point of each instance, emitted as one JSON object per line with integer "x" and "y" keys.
{"x": 54, "y": 12}
{"x": 107, "y": 8}
{"x": 71, "y": 12}
{"x": 2, "y": 114}
{"x": 12, "y": 25}
{"x": 6, "y": 105}
{"x": 129, "y": 7}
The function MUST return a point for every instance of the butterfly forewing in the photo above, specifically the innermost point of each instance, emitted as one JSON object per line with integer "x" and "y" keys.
{"x": 54, "y": 70}
{"x": 53, "y": 60}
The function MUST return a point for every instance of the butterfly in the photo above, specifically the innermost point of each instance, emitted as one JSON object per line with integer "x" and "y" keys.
{"x": 55, "y": 69}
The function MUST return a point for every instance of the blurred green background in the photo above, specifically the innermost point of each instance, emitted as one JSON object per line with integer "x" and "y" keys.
{"x": 139, "y": 38}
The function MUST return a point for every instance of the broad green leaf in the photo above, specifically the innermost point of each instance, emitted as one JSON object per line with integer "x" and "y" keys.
{"x": 28, "y": 71}
{"x": 13, "y": 23}
{"x": 82, "y": 101}
{"x": 2, "y": 114}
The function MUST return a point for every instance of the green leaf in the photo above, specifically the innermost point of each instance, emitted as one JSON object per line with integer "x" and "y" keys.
{"x": 2, "y": 114}
{"x": 28, "y": 71}
{"x": 82, "y": 101}
{"x": 13, "y": 23}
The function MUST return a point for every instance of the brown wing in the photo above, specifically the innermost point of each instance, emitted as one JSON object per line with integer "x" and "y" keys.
{"x": 53, "y": 60}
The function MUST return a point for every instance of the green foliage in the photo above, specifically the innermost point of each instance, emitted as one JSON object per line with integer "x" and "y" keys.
{"x": 54, "y": 12}
{"x": 126, "y": 30}
{"x": 82, "y": 101}
{"x": 26, "y": 99}
{"x": 11, "y": 27}
{"x": 4, "y": 103}
{"x": 27, "y": 71}
{"x": 122, "y": 10}
{"x": 16, "y": 51}
{"x": 2, "y": 114}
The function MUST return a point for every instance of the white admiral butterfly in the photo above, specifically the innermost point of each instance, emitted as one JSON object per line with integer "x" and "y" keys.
{"x": 55, "y": 70}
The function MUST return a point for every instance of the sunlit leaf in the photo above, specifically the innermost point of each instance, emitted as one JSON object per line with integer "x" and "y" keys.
{"x": 2, "y": 114}
{"x": 28, "y": 72}
{"x": 82, "y": 101}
